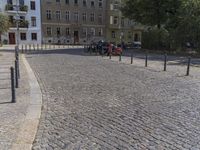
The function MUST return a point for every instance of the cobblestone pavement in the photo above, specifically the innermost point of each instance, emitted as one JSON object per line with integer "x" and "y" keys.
{"x": 175, "y": 64}
{"x": 93, "y": 103}
{"x": 11, "y": 115}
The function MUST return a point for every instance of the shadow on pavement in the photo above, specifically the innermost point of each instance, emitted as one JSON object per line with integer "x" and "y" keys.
{"x": 172, "y": 60}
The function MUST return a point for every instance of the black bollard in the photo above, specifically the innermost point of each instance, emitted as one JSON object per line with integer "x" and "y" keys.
{"x": 165, "y": 62}
{"x": 110, "y": 56}
{"x": 13, "y": 100}
{"x": 22, "y": 48}
{"x": 132, "y": 58}
{"x": 188, "y": 66}
{"x": 25, "y": 49}
{"x": 120, "y": 57}
{"x": 29, "y": 47}
{"x": 146, "y": 59}
{"x": 16, "y": 75}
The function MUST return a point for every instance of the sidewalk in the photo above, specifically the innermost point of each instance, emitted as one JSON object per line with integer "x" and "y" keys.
{"x": 13, "y": 115}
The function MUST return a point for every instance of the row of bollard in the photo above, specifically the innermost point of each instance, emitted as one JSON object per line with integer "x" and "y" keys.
{"x": 37, "y": 47}
{"x": 165, "y": 62}
{"x": 15, "y": 76}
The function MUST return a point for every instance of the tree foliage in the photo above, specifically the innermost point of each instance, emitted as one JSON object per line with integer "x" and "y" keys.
{"x": 180, "y": 19}
{"x": 4, "y": 23}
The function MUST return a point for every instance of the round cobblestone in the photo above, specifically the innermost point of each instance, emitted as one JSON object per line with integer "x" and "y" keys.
{"x": 93, "y": 103}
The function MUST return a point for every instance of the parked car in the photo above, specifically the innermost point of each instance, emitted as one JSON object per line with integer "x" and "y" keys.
{"x": 137, "y": 45}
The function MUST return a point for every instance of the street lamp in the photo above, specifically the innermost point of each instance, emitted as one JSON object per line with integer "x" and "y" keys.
{"x": 17, "y": 18}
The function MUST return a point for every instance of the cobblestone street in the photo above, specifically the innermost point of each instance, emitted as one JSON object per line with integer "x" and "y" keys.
{"x": 94, "y": 103}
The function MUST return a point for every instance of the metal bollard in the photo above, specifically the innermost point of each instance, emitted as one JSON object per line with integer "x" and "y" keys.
{"x": 16, "y": 52}
{"x": 165, "y": 62}
{"x": 146, "y": 59}
{"x": 110, "y": 56}
{"x": 13, "y": 100}
{"x": 188, "y": 66}
{"x": 25, "y": 49}
{"x": 132, "y": 58}
{"x": 16, "y": 75}
{"x": 120, "y": 57}
{"x": 18, "y": 69}
{"x": 29, "y": 47}
{"x": 22, "y": 48}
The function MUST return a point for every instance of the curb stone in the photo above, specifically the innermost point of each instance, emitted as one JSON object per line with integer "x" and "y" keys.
{"x": 29, "y": 128}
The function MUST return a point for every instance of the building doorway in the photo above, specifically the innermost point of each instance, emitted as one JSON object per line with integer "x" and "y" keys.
{"x": 12, "y": 38}
{"x": 136, "y": 37}
{"x": 76, "y": 37}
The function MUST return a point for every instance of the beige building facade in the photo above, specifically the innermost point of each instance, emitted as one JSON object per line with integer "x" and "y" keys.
{"x": 84, "y": 21}
{"x": 73, "y": 21}
{"x": 118, "y": 28}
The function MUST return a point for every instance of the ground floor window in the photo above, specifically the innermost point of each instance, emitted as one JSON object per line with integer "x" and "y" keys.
{"x": 23, "y": 36}
{"x": 34, "y": 36}
{"x": 113, "y": 34}
{"x": 49, "y": 31}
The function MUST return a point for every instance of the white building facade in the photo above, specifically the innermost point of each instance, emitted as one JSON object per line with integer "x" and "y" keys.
{"x": 29, "y": 13}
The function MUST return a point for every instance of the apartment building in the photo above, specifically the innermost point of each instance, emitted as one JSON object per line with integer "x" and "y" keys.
{"x": 28, "y": 14}
{"x": 118, "y": 28}
{"x": 73, "y": 21}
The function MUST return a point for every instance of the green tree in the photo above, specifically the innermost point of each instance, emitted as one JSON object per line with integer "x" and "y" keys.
{"x": 150, "y": 12}
{"x": 4, "y": 24}
{"x": 188, "y": 27}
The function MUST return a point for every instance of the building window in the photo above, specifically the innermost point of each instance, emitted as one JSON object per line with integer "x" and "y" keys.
{"x": 84, "y": 3}
{"x": 67, "y": 2}
{"x": 67, "y": 16}
{"x": 34, "y": 36}
{"x": 84, "y": 17}
{"x": 23, "y": 36}
{"x": 84, "y": 32}
{"x": 113, "y": 34}
{"x": 100, "y": 33}
{"x": 116, "y": 6}
{"x": 58, "y": 15}
{"x": 33, "y": 21}
{"x": 92, "y": 17}
{"x": 67, "y": 32}
{"x": 32, "y": 5}
{"x": 92, "y": 3}
{"x": 49, "y": 31}
{"x": 100, "y": 19}
{"x": 75, "y": 2}
{"x": 48, "y": 14}
{"x": 100, "y": 3}
{"x": 58, "y": 31}
{"x": 21, "y": 2}
{"x": 76, "y": 16}
{"x": 92, "y": 31}
{"x": 115, "y": 20}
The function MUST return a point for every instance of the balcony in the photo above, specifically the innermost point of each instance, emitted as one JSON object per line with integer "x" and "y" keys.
{"x": 23, "y": 9}
{"x": 23, "y": 24}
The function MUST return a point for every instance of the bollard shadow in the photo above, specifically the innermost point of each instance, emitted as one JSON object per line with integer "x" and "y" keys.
{"x": 171, "y": 59}
{"x": 2, "y": 103}
{"x": 78, "y": 51}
